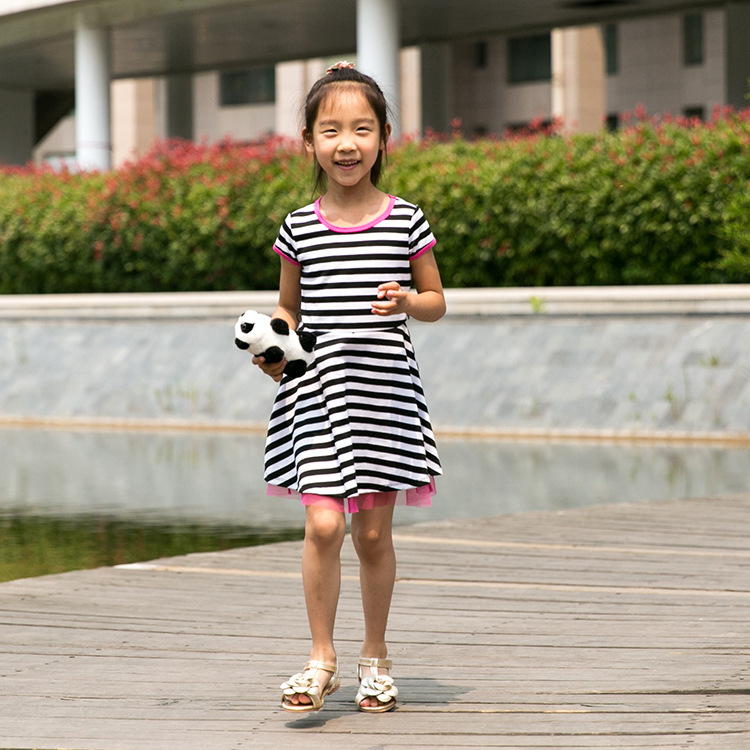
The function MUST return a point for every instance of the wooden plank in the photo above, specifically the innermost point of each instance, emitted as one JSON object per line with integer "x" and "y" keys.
{"x": 605, "y": 627}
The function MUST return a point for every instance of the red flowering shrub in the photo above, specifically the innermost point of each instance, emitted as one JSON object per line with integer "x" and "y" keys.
{"x": 190, "y": 217}
{"x": 659, "y": 202}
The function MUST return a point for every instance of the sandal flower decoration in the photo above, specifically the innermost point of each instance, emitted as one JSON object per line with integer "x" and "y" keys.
{"x": 305, "y": 683}
{"x": 299, "y": 684}
{"x": 342, "y": 64}
{"x": 378, "y": 686}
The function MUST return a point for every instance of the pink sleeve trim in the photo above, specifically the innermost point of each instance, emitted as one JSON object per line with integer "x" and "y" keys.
{"x": 424, "y": 250}
{"x": 285, "y": 256}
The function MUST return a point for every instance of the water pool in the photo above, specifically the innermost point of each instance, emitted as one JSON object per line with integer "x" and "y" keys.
{"x": 72, "y": 499}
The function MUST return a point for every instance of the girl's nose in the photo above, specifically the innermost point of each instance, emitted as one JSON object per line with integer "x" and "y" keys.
{"x": 346, "y": 142}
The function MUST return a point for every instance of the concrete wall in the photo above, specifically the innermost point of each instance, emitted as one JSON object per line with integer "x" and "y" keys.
{"x": 483, "y": 99}
{"x": 652, "y": 73}
{"x": 599, "y": 363}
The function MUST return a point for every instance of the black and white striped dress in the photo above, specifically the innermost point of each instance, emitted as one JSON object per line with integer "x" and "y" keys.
{"x": 356, "y": 423}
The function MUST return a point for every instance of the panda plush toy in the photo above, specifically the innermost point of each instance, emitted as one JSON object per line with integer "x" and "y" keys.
{"x": 272, "y": 339}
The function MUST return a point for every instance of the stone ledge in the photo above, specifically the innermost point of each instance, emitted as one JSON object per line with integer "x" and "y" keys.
{"x": 626, "y": 435}
{"x": 724, "y": 299}
{"x": 134, "y": 306}
{"x": 705, "y": 299}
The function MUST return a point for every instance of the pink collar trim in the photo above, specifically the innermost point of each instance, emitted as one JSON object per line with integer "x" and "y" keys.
{"x": 361, "y": 228}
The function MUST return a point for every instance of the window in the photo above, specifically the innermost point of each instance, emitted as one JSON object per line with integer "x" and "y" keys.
{"x": 612, "y": 123}
{"x": 534, "y": 126}
{"x": 611, "y": 50}
{"x": 530, "y": 59}
{"x": 480, "y": 56}
{"x": 695, "y": 113}
{"x": 693, "y": 39}
{"x": 248, "y": 87}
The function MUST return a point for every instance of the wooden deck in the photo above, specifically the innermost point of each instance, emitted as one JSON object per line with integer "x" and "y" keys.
{"x": 624, "y": 626}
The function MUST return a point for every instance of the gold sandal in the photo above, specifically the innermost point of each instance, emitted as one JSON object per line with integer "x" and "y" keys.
{"x": 374, "y": 685}
{"x": 304, "y": 683}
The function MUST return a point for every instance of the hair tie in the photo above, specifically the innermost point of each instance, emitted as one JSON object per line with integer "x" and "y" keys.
{"x": 341, "y": 65}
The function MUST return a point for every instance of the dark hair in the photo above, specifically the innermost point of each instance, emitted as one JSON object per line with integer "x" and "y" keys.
{"x": 337, "y": 78}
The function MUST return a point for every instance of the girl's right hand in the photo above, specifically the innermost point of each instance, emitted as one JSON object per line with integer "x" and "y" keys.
{"x": 274, "y": 370}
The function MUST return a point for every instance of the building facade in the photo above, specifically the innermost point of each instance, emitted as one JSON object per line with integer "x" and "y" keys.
{"x": 685, "y": 61}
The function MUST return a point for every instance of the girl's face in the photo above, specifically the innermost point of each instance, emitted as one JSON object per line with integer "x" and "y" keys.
{"x": 346, "y": 137}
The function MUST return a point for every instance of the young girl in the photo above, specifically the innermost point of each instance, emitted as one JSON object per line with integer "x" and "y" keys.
{"x": 353, "y": 434}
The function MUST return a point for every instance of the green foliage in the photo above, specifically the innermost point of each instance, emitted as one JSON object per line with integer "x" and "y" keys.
{"x": 735, "y": 258}
{"x": 42, "y": 215}
{"x": 660, "y": 202}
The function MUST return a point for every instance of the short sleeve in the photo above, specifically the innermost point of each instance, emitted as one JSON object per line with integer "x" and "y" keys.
{"x": 421, "y": 238}
{"x": 285, "y": 244}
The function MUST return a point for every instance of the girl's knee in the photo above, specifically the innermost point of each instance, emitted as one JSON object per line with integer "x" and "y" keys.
{"x": 371, "y": 540}
{"x": 325, "y": 529}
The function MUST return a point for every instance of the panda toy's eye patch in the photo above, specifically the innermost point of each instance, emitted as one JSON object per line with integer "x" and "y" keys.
{"x": 280, "y": 326}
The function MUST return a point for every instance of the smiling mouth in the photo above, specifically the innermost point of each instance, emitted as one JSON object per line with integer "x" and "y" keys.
{"x": 346, "y": 164}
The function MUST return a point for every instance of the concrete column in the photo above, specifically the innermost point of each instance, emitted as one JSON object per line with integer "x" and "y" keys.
{"x": 737, "y": 54}
{"x": 133, "y": 118}
{"x": 578, "y": 79}
{"x": 378, "y": 44}
{"x": 93, "y": 99}
{"x": 291, "y": 88}
{"x": 411, "y": 92}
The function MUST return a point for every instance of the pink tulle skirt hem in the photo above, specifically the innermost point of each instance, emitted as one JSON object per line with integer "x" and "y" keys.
{"x": 419, "y": 497}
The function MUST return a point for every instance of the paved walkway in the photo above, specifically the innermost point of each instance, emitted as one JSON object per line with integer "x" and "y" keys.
{"x": 609, "y": 627}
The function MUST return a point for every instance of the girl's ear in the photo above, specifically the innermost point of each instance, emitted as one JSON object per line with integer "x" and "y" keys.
{"x": 307, "y": 140}
{"x": 387, "y": 134}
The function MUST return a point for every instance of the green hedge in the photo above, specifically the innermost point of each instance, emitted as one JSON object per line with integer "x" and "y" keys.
{"x": 647, "y": 205}
{"x": 657, "y": 203}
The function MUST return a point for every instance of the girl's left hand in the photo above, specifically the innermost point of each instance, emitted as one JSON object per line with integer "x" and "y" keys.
{"x": 395, "y": 299}
{"x": 274, "y": 370}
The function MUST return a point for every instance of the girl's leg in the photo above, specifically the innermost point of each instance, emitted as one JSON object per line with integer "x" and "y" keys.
{"x": 373, "y": 542}
{"x": 321, "y": 579}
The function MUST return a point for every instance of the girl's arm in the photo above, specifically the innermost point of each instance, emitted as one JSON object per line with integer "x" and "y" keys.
{"x": 289, "y": 294}
{"x": 427, "y": 303}
{"x": 288, "y": 309}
